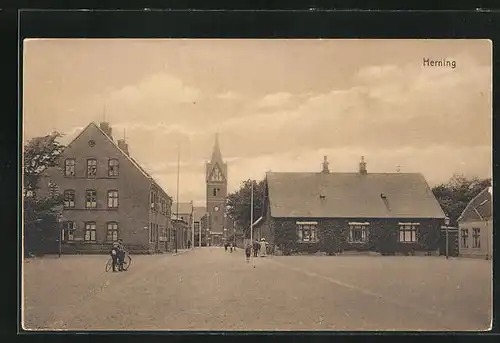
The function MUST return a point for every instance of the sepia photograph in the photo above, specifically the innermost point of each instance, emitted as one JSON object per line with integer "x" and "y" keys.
{"x": 257, "y": 185}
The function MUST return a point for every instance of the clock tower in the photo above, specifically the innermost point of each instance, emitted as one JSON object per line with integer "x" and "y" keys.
{"x": 216, "y": 182}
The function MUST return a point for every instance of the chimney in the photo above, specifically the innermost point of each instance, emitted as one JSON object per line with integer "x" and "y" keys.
{"x": 325, "y": 166}
{"x": 106, "y": 128}
{"x": 122, "y": 144}
{"x": 362, "y": 166}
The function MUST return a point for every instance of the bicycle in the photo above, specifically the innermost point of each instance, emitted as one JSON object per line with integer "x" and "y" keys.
{"x": 127, "y": 261}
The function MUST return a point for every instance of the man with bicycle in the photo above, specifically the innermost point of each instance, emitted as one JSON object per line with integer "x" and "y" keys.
{"x": 121, "y": 254}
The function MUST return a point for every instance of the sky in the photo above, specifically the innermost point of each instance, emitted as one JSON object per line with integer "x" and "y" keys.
{"x": 278, "y": 105}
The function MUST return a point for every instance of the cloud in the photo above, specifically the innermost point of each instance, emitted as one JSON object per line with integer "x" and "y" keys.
{"x": 160, "y": 87}
{"x": 229, "y": 95}
{"x": 275, "y": 100}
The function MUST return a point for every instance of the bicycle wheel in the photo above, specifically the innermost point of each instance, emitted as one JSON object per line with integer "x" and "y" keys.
{"x": 109, "y": 265}
{"x": 127, "y": 262}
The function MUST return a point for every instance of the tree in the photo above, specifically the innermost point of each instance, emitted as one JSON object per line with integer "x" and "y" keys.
{"x": 238, "y": 204}
{"x": 40, "y": 212}
{"x": 454, "y": 195}
{"x": 40, "y": 153}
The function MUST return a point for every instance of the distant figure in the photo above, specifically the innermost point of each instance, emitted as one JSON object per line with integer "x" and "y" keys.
{"x": 231, "y": 248}
{"x": 248, "y": 251}
{"x": 256, "y": 248}
{"x": 263, "y": 247}
{"x": 225, "y": 246}
{"x": 189, "y": 244}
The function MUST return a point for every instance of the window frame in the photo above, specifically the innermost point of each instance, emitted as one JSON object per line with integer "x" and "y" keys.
{"x": 66, "y": 165}
{"x": 66, "y": 193}
{"x": 404, "y": 228}
{"x": 92, "y": 229}
{"x": 364, "y": 229}
{"x": 68, "y": 233}
{"x": 87, "y": 199}
{"x": 89, "y": 165}
{"x": 312, "y": 229}
{"x": 111, "y": 164}
{"x": 476, "y": 238}
{"x": 113, "y": 199}
{"x": 464, "y": 238}
{"x": 114, "y": 229}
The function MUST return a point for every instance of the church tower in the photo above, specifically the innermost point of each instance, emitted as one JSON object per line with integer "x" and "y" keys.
{"x": 216, "y": 182}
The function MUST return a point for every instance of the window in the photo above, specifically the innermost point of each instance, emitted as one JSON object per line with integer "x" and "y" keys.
{"x": 69, "y": 167}
{"x": 150, "y": 232}
{"x": 113, "y": 199}
{"x": 90, "y": 198}
{"x": 68, "y": 231}
{"x": 408, "y": 232}
{"x": 464, "y": 238}
{"x": 306, "y": 231}
{"x": 215, "y": 191}
{"x": 91, "y": 167}
{"x": 196, "y": 226}
{"x": 153, "y": 201}
{"x": 476, "y": 238}
{"x": 90, "y": 232}
{"x": 113, "y": 167}
{"x": 69, "y": 198}
{"x": 112, "y": 232}
{"x": 358, "y": 232}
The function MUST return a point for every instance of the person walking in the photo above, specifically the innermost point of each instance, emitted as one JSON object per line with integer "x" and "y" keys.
{"x": 248, "y": 252}
{"x": 263, "y": 247}
{"x": 225, "y": 246}
{"x": 231, "y": 248}
{"x": 256, "y": 248}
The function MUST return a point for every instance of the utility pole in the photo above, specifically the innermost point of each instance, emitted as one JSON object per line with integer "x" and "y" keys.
{"x": 251, "y": 223}
{"x": 177, "y": 206}
{"x": 192, "y": 224}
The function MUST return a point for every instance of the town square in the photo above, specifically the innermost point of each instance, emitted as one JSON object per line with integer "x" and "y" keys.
{"x": 180, "y": 185}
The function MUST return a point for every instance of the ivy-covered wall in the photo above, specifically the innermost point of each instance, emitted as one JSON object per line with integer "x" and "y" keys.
{"x": 333, "y": 235}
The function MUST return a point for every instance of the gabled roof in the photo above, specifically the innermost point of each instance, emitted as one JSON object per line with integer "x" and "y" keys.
{"x": 184, "y": 208}
{"x": 351, "y": 195}
{"x": 134, "y": 162}
{"x": 482, "y": 203}
{"x": 199, "y": 212}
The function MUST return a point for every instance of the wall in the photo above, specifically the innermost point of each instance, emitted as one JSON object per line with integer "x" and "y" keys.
{"x": 486, "y": 239}
{"x": 132, "y": 214}
{"x": 333, "y": 235}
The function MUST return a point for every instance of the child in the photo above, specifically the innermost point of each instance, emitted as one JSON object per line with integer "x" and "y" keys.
{"x": 248, "y": 252}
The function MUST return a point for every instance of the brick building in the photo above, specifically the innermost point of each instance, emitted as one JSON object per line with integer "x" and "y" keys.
{"x": 385, "y": 212}
{"x": 108, "y": 195}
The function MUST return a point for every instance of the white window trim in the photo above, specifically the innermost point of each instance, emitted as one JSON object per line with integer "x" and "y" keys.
{"x": 408, "y": 224}
{"x": 364, "y": 226}
{"x": 306, "y": 223}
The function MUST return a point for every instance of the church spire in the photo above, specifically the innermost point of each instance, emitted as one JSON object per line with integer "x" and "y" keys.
{"x": 216, "y": 155}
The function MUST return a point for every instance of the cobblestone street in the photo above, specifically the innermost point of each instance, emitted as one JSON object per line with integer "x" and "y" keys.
{"x": 210, "y": 289}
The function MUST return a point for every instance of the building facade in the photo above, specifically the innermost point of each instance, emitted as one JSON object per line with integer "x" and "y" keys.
{"x": 334, "y": 212}
{"x": 184, "y": 211}
{"x": 216, "y": 193}
{"x": 475, "y": 226}
{"x": 108, "y": 196}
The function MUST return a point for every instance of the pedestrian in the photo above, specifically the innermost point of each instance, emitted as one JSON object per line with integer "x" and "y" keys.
{"x": 189, "y": 244}
{"x": 114, "y": 255}
{"x": 225, "y": 246}
{"x": 248, "y": 251}
{"x": 263, "y": 247}
{"x": 256, "y": 248}
{"x": 231, "y": 248}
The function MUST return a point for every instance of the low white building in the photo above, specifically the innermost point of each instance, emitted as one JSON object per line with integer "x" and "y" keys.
{"x": 475, "y": 226}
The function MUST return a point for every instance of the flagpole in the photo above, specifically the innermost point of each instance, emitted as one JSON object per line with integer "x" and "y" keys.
{"x": 251, "y": 223}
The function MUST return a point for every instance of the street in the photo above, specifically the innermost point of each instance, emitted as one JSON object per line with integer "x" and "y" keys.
{"x": 210, "y": 289}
